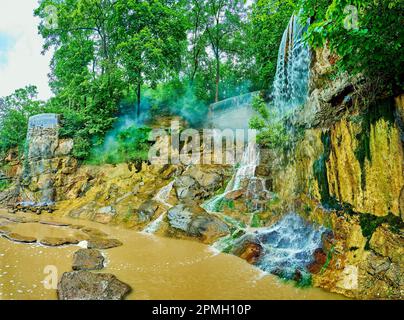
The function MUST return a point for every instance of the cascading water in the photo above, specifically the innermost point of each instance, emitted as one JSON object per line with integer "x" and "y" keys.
{"x": 290, "y": 86}
{"x": 42, "y": 142}
{"x": 162, "y": 197}
{"x": 288, "y": 245}
{"x": 245, "y": 172}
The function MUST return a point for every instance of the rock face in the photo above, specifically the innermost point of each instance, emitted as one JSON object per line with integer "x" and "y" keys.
{"x": 388, "y": 244}
{"x": 196, "y": 222}
{"x": 198, "y": 182}
{"x": 84, "y": 285}
{"x": 47, "y": 161}
{"x": 88, "y": 259}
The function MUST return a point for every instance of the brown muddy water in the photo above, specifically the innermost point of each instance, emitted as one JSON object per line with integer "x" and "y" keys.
{"x": 156, "y": 268}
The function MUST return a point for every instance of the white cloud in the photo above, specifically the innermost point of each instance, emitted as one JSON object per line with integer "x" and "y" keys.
{"x": 24, "y": 64}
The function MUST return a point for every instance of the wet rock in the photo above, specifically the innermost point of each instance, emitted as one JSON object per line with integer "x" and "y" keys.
{"x": 101, "y": 243}
{"x": 388, "y": 244}
{"x": 57, "y": 242}
{"x": 19, "y": 238}
{"x": 105, "y": 215}
{"x": 263, "y": 170}
{"x": 196, "y": 222}
{"x": 234, "y": 195}
{"x": 4, "y": 229}
{"x": 186, "y": 188}
{"x": 249, "y": 251}
{"x": 53, "y": 223}
{"x": 84, "y": 285}
{"x": 328, "y": 240}
{"x": 147, "y": 210}
{"x": 88, "y": 259}
{"x": 320, "y": 259}
{"x": 92, "y": 232}
{"x": 208, "y": 180}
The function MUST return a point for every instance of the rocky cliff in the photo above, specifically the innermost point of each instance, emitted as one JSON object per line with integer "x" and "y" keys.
{"x": 345, "y": 172}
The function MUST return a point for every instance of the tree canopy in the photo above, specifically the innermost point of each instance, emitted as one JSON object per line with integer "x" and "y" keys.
{"x": 182, "y": 55}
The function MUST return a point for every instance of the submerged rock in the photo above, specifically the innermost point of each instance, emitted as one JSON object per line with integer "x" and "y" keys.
{"x": 19, "y": 238}
{"x": 88, "y": 259}
{"x": 101, "y": 243}
{"x": 57, "y": 242}
{"x": 84, "y": 285}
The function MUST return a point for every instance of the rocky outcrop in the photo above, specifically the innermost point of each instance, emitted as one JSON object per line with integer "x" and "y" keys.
{"x": 388, "y": 244}
{"x": 370, "y": 180}
{"x": 47, "y": 163}
{"x": 192, "y": 221}
{"x": 199, "y": 182}
{"x": 84, "y": 285}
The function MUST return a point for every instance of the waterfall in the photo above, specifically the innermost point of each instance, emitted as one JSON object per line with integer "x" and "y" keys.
{"x": 164, "y": 194}
{"x": 288, "y": 245}
{"x": 245, "y": 172}
{"x": 290, "y": 86}
{"x": 42, "y": 142}
{"x": 162, "y": 197}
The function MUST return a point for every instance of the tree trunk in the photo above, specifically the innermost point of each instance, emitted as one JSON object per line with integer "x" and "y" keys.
{"x": 139, "y": 91}
{"x": 217, "y": 79}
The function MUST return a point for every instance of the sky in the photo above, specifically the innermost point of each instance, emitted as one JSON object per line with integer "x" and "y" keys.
{"x": 21, "y": 61}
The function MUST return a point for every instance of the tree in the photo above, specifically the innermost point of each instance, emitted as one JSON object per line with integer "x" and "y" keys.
{"x": 14, "y": 113}
{"x": 150, "y": 36}
{"x": 223, "y": 21}
{"x": 268, "y": 20}
{"x": 367, "y": 35}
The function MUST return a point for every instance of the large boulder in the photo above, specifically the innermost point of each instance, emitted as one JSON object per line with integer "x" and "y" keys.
{"x": 88, "y": 259}
{"x": 84, "y": 285}
{"x": 196, "y": 222}
{"x": 198, "y": 182}
{"x": 187, "y": 188}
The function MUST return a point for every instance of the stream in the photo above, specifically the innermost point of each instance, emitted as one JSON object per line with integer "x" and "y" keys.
{"x": 155, "y": 267}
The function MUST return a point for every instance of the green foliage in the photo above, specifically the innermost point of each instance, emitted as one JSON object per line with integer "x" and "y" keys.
{"x": 256, "y": 221}
{"x": 272, "y": 133}
{"x": 14, "y": 113}
{"x": 328, "y": 260}
{"x": 129, "y": 145}
{"x": 4, "y": 185}
{"x": 373, "y": 47}
{"x": 269, "y": 19}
